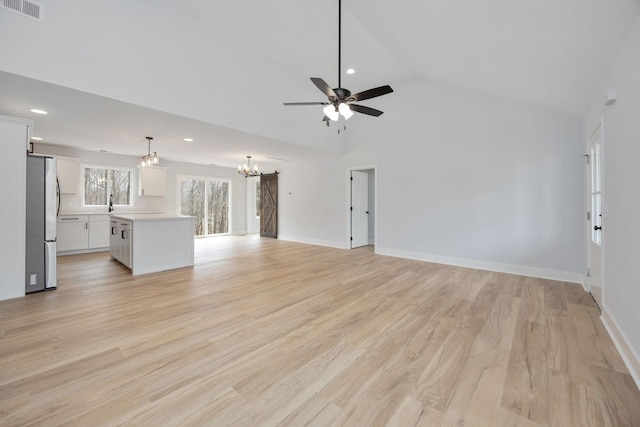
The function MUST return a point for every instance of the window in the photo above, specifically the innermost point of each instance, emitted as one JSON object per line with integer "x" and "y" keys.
{"x": 257, "y": 198}
{"x": 102, "y": 182}
{"x": 206, "y": 199}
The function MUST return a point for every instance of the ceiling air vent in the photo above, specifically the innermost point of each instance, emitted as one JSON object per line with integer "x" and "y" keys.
{"x": 24, "y": 7}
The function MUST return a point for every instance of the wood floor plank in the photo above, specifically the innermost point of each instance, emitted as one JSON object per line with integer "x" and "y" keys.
{"x": 617, "y": 396}
{"x": 526, "y": 389}
{"x": 272, "y": 333}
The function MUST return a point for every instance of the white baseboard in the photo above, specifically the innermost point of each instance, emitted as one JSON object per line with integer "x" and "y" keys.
{"x": 543, "y": 273}
{"x": 83, "y": 251}
{"x": 620, "y": 340}
{"x": 585, "y": 284}
{"x": 317, "y": 242}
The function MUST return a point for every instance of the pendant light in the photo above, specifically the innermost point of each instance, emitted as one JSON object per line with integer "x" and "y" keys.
{"x": 246, "y": 169}
{"x": 151, "y": 159}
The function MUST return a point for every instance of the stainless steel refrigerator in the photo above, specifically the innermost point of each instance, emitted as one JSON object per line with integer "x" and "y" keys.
{"x": 42, "y": 212}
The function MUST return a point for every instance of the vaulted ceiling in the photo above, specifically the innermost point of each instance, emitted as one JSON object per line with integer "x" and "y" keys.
{"x": 221, "y": 70}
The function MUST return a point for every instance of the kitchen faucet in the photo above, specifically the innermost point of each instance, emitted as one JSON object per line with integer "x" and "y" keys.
{"x": 111, "y": 203}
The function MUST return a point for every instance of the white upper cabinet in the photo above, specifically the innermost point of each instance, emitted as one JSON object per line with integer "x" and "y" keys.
{"x": 69, "y": 174}
{"x": 153, "y": 181}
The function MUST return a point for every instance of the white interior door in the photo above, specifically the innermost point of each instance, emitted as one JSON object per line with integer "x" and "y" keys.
{"x": 359, "y": 209}
{"x": 595, "y": 215}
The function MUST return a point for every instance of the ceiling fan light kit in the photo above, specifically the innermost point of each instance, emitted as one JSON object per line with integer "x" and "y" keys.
{"x": 341, "y": 101}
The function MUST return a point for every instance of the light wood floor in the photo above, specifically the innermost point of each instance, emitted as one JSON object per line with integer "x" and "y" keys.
{"x": 270, "y": 333}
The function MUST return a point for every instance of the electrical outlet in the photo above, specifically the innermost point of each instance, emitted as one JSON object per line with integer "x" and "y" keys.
{"x": 33, "y": 279}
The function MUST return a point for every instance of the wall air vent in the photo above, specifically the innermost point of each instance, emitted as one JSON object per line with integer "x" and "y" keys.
{"x": 24, "y": 7}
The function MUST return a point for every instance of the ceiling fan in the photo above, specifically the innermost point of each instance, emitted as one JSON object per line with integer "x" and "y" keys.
{"x": 341, "y": 101}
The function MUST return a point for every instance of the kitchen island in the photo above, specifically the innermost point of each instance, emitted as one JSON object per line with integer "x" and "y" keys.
{"x": 147, "y": 243}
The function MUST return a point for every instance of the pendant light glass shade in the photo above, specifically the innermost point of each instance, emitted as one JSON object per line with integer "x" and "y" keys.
{"x": 345, "y": 111}
{"x": 151, "y": 159}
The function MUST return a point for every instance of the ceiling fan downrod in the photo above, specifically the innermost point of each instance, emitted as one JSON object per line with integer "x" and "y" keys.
{"x": 340, "y": 44}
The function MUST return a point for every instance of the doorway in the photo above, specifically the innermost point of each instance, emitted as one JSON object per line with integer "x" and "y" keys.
{"x": 361, "y": 204}
{"x": 595, "y": 265}
{"x": 253, "y": 205}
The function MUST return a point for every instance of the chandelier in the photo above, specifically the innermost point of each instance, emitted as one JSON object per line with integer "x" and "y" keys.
{"x": 246, "y": 169}
{"x": 151, "y": 159}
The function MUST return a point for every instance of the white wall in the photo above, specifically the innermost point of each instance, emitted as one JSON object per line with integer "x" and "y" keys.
{"x": 500, "y": 178}
{"x": 503, "y": 179}
{"x": 155, "y": 204}
{"x": 621, "y": 234}
{"x": 13, "y": 175}
{"x": 312, "y": 202}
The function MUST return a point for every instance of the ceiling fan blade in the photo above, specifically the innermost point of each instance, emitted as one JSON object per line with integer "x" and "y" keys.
{"x": 305, "y": 103}
{"x": 365, "y": 110}
{"x": 372, "y": 93}
{"x": 324, "y": 87}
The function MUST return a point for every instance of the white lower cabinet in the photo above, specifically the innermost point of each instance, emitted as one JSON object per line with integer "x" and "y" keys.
{"x": 99, "y": 231}
{"x": 120, "y": 240}
{"x": 72, "y": 233}
{"x": 82, "y": 233}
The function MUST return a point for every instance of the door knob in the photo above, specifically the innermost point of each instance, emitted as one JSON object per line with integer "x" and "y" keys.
{"x": 596, "y": 228}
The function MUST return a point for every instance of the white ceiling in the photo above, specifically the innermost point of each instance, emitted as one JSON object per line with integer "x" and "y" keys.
{"x": 549, "y": 53}
{"x": 95, "y": 123}
{"x": 546, "y": 53}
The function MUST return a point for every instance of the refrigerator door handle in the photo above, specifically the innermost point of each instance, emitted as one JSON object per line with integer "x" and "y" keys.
{"x": 59, "y": 195}
{"x": 50, "y": 265}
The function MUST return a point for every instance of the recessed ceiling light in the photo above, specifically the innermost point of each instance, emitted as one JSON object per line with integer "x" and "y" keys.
{"x": 35, "y": 110}
{"x": 189, "y": 139}
{"x": 350, "y": 71}
{"x": 36, "y": 138}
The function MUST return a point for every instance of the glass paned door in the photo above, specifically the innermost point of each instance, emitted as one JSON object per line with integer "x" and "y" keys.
{"x": 217, "y": 207}
{"x": 192, "y": 202}
{"x": 208, "y": 201}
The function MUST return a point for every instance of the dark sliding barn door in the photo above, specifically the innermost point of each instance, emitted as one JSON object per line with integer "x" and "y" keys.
{"x": 269, "y": 205}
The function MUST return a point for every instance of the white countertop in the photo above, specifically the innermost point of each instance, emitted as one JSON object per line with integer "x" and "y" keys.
{"x": 150, "y": 217}
{"x": 107, "y": 213}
